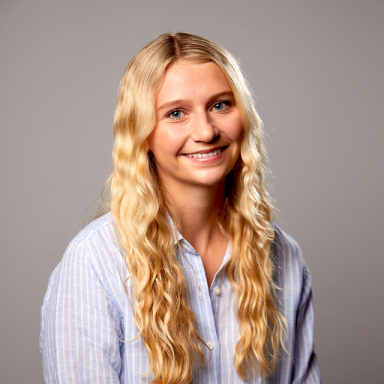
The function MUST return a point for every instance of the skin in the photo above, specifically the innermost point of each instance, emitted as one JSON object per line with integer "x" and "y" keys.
{"x": 196, "y": 112}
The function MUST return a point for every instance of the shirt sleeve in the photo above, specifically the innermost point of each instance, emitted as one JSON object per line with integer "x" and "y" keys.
{"x": 306, "y": 368}
{"x": 80, "y": 326}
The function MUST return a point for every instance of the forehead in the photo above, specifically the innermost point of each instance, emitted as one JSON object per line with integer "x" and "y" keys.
{"x": 185, "y": 79}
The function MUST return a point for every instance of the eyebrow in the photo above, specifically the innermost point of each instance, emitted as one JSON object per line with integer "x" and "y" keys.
{"x": 215, "y": 96}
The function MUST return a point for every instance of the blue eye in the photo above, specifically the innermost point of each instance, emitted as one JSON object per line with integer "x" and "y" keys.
{"x": 221, "y": 105}
{"x": 176, "y": 114}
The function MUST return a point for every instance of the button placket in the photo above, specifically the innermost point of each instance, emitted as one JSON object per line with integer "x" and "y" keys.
{"x": 207, "y": 300}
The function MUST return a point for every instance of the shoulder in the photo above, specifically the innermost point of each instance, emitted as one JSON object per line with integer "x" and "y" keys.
{"x": 290, "y": 267}
{"x": 94, "y": 253}
{"x": 99, "y": 239}
{"x": 285, "y": 247}
{"x": 291, "y": 274}
{"x": 98, "y": 243}
{"x": 97, "y": 228}
{"x": 86, "y": 283}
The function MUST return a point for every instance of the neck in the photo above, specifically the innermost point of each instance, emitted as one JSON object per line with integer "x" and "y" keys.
{"x": 198, "y": 210}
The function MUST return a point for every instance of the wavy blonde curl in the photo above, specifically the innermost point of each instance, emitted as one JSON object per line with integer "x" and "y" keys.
{"x": 140, "y": 212}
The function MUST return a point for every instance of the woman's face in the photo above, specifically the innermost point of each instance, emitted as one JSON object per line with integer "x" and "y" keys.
{"x": 198, "y": 132}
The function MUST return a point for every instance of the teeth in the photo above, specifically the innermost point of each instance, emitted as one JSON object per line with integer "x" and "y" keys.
{"x": 204, "y": 155}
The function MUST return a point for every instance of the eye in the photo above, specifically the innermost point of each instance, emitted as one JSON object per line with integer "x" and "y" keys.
{"x": 176, "y": 114}
{"x": 221, "y": 105}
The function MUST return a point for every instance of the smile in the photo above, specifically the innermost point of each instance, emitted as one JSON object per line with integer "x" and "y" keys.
{"x": 203, "y": 155}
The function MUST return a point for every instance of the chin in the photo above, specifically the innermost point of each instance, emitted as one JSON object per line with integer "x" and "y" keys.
{"x": 209, "y": 181}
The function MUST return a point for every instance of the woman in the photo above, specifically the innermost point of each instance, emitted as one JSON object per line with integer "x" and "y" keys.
{"x": 185, "y": 278}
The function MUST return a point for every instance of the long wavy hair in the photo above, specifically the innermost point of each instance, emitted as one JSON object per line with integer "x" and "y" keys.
{"x": 140, "y": 212}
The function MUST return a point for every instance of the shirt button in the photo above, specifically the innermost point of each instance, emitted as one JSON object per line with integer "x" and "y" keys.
{"x": 217, "y": 291}
{"x": 210, "y": 345}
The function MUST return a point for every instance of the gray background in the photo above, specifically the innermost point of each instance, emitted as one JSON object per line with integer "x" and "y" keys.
{"x": 316, "y": 68}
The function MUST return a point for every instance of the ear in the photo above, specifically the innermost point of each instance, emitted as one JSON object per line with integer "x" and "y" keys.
{"x": 147, "y": 149}
{"x": 149, "y": 152}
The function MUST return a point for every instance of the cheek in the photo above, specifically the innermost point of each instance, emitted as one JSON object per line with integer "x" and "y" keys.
{"x": 235, "y": 129}
{"x": 165, "y": 141}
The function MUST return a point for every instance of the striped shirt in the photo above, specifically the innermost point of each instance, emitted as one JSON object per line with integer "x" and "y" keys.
{"x": 86, "y": 315}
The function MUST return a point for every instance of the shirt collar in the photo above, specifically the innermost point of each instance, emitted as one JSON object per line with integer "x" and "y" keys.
{"x": 177, "y": 236}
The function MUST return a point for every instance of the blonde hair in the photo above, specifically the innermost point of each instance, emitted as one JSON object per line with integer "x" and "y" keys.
{"x": 163, "y": 314}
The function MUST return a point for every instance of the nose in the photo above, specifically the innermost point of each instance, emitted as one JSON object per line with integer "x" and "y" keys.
{"x": 203, "y": 128}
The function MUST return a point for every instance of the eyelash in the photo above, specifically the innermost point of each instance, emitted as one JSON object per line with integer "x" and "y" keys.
{"x": 227, "y": 102}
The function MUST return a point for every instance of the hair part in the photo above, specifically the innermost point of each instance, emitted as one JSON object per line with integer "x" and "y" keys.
{"x": 140, "y": 212}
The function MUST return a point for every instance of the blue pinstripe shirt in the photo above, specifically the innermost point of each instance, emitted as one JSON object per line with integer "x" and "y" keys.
{"x": 86, "y": 314}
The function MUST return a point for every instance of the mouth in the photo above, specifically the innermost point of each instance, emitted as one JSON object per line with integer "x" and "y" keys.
{"x": 206, "y": 153}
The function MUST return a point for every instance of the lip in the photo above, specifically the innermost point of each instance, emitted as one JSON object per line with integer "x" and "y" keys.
{"x": 207, "y": 160}
{"x": 207, "y": 150}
